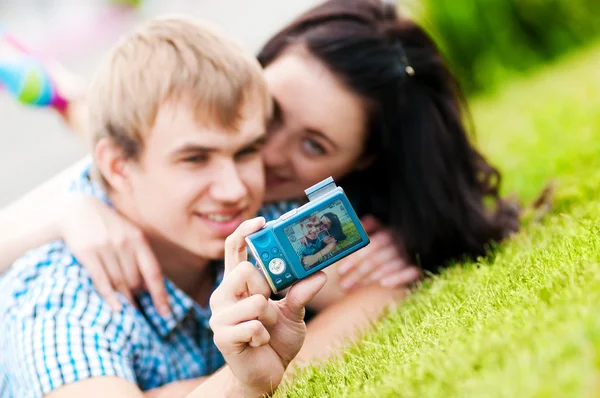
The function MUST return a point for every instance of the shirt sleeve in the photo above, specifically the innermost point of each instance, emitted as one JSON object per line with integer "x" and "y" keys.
{"x": 63, "y": 333}
{"x": 304, "y": 251}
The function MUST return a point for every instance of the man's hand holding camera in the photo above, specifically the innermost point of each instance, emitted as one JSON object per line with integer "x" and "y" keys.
{"x": 258, "y": 337}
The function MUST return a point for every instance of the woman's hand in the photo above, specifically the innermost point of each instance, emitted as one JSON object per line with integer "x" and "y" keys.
{"x": 329, "y": 240}
{"x": 113, "y": 250}
{"x": 379, "y": 262}
{"x": 311, "y": 259}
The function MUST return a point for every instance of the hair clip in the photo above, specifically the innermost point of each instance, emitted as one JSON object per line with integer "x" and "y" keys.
{"x": 410, "y": 71}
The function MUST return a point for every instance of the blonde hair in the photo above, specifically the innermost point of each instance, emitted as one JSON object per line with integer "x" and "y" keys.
{"x": 164, "y": 59}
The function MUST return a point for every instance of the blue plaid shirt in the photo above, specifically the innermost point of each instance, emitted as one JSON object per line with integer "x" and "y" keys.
{"x": 56, "y": 329}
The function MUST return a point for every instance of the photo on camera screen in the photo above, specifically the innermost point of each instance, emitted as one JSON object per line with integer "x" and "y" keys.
{"x": 322, "y": 235}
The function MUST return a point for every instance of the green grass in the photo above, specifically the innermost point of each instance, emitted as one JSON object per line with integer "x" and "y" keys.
{"x": 524, "y": 321}
{"x": 352, "y": 236}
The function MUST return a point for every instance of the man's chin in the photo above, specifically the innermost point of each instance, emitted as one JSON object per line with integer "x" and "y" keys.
{"x": 211, "y": 250}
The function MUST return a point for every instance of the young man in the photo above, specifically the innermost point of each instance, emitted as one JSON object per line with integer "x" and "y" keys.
{"x": 178, "y": 116}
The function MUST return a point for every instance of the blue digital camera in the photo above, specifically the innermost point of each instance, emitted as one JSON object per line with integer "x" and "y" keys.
{"x": 309, "y": 238}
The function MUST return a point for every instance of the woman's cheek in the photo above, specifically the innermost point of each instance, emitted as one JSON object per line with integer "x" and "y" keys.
{"x": 312, "y": 171}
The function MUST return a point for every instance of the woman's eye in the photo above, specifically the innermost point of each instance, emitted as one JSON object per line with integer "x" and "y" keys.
{"x": 313, "y": 148}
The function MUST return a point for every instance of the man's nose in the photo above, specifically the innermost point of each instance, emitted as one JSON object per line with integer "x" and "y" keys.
{"x": 228, "y": 186}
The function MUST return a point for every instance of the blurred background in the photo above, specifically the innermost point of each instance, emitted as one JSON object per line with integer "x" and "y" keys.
{"x": 486, "y": 42}
{"x": 34, "y": 142}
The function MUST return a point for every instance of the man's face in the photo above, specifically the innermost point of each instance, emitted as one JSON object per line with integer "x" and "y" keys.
{"x": 194, "y": 185}
{"x": 313, "y": 227}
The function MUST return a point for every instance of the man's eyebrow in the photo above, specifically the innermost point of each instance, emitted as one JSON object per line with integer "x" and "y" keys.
{"x": 258, "y": 142}
{"x": 197, "y": 148}
{"x": 193, "y": 147}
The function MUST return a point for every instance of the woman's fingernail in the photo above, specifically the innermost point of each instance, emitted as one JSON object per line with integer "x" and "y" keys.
{"x": 387, "y": 282}
{"x": 344, "y": 267}
{"x": 116, "y": 305}
{"x": 164, "y": 310}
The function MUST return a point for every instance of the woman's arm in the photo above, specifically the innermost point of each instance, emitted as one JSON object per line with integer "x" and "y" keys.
{"x": 113, "y": 249}
{"x": 327, "y": 249}
{"x": 342, "y": 321}
{"x": 380, "y": 263}
{"x": 34, "y": 219}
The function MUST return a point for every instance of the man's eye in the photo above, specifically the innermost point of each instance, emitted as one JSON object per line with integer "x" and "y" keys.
{"x": 196, "y": 159}
{"x": 248, "y": 152}
{"x": 313, "y": 148}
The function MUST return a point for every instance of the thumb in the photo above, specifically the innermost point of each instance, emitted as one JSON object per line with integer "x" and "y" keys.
{"x": 302, "y": 293}
{"x": 235, "y": 244}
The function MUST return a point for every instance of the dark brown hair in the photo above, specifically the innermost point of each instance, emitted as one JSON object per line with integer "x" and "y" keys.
{"x": 427, "y": 181}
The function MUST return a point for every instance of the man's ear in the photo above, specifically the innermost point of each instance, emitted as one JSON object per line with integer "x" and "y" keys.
{"x": 112, "y": 164}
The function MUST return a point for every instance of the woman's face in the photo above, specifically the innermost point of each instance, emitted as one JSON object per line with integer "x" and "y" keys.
{"x": 318, "y": 127}
{"x": 326, "y": 222}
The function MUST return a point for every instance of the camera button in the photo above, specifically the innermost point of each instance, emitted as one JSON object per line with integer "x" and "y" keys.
{"x": 278, "y": 281}
{"x": 265, "y": 256}
{"x": 277, "y": 266}
{"x": 288, "y": 276}
{"x": 288, "y": 214}
{"x": 275, "y": 250}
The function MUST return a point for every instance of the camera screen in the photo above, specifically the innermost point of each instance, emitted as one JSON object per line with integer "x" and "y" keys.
{"x": 322, "y": 235}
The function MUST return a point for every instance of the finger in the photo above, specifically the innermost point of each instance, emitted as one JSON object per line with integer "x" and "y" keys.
{"x": 378, "y": 241}
{"x": 129, "y": 268}
{"x": 253, "y": 307}
{"x": 245, "y": 280}
{"x": 235, "y": 244}
{"x": 385, "y": 270}
{"x": 115, "y": 274}
{"x": 381, "y": 257}
{"x": 302, "y": 293}
{"x": 386, "y": 257}
{"x": 371, "y": 263}
{"x": 152, "y": 276}
{"x": 404, "y": 277}
{"x": 235, "y": 338}
{"x": 101, "y": 281}
{"x": 370, "y": 224}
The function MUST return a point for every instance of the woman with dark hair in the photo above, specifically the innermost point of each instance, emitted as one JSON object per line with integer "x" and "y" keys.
{"x": 332, "y": 224}
{"x": 398, "y": 144}
{"x": 364, "y": 96}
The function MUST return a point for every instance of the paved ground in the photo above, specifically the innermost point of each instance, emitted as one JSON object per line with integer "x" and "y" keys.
{"x": 34, "y": 144}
